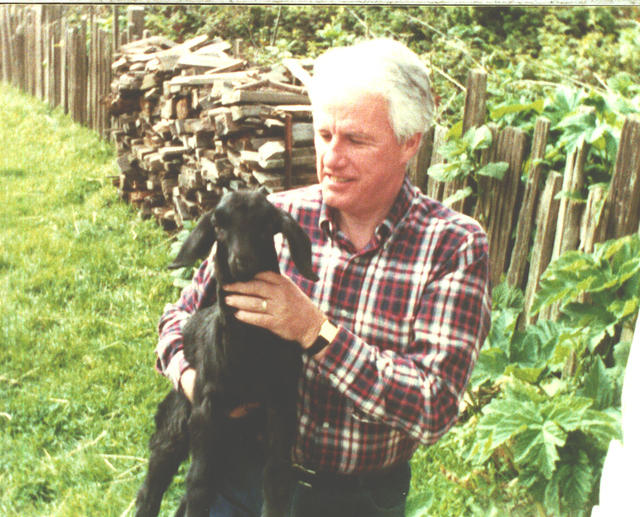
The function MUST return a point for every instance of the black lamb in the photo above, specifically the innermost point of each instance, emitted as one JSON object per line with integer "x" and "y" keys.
{"x": 235, "y": 364}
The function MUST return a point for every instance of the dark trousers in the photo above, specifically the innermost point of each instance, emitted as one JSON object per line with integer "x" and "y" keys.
{"x": 378, "y": 495}
{"x": 381, "y": 494}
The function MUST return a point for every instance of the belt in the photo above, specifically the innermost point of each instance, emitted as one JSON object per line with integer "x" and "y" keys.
{"x": 335, "y": 481}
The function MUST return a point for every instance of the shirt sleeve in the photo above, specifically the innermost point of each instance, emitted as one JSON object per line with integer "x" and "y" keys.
{"x": 420, "y": 389}
{"x": 169, "y": 350}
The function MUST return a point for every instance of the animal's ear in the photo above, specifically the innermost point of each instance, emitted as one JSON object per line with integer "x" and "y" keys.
{"x": 299, "y": 244}
{"x": 198, "y": 244}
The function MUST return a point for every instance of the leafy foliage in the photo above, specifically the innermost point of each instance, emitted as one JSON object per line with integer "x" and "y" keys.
{"x": 463, "y": 159}
{"x": 544, "y": 399}
{"x": 551, "y": 442}
{"x": 597, "y": 292}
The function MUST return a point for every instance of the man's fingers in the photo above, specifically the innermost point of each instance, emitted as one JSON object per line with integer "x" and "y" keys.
{"x": 253, "y": 304}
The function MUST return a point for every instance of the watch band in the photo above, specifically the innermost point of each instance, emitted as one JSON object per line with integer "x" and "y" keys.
{"x": 326, "y": 335}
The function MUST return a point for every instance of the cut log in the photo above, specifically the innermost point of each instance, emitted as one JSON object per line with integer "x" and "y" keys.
{"x": 263, "y": 97}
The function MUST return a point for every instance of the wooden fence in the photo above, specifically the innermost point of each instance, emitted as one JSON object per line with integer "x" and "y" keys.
{"x": 65, "y": 64}
{"x": 527, "y": 223}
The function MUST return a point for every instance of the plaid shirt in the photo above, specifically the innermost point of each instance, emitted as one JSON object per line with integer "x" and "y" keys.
{"x": 413, "y": 308}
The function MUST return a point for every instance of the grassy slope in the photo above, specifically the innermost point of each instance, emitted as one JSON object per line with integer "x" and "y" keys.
{"x": 82, "y": 284}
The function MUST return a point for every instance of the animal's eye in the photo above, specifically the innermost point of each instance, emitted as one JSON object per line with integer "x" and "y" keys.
{"x": 219, "y": 218}
{"x": 219, "y": 230}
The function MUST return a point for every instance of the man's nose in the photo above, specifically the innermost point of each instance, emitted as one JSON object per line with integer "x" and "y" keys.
{"x": 333, "y": 155}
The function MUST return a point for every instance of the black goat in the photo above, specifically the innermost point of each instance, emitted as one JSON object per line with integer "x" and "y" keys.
{"x": 235, "y": 364}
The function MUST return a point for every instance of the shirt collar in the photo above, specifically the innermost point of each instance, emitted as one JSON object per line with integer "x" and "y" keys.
{"x": 398, "y": 209}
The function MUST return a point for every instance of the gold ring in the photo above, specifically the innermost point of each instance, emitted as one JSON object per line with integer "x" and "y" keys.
{"x": 264, "y": 305}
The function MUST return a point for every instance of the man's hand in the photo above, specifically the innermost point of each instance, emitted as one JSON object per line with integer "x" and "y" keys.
{"x": 272, "y": 301}
{"x": 188, "y": 384}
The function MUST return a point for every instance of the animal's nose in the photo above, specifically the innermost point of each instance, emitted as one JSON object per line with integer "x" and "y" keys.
{"x": 241, "y": 267}
{"x": 239, "y": 262}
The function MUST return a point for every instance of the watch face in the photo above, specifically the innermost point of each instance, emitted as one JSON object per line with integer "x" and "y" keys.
{"x": 328, "y": 331}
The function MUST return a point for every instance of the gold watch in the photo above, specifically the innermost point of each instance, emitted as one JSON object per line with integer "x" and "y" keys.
{"x": 326, "y": 335}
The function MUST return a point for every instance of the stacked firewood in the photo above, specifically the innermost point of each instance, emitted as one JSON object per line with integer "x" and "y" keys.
{"x": 190, "y": 121}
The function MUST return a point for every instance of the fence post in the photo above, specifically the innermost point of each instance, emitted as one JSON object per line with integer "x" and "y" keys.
{"x": 20, "y": 72}
{"x": 543, "y": 243}
{"x": 135, "y": 22}
{"x": 593, "y": 226}
{"x": 524, "y": 228}
{"x": 435, "y": 188}
{"x": 4, "y": 43}
{"x": 475, "y": 102}
{"x": 75, "y": 82}
{"x": 570, "y": 211}
{"x": 56, "y": 56}
{"x": 623, "y": 201}
{"x": 497, "y": 198}
{"x": 64, "y": 65}
{"x": 420, "y": 162}
{"x": 38, "y": 42}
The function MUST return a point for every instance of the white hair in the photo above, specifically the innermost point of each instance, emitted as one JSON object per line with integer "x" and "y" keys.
{"x": 379, "y": 66}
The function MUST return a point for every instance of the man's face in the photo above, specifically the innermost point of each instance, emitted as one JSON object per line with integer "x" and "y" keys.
{"x": 360, "y": 163}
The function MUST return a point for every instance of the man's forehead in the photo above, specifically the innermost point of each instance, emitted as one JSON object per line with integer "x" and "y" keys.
{"x": 353, "y": 115}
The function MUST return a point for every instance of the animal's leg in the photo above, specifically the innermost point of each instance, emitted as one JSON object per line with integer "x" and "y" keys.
{"x": 281, "y": 432}
{"x": 169, "y": 447}
{"x": 203, "y": 476}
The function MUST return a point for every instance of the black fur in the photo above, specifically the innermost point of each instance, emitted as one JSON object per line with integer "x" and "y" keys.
{"x": 235, "y": 364}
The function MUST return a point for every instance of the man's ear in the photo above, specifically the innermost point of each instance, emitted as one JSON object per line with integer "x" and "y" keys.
{"x": 410, "y": 146}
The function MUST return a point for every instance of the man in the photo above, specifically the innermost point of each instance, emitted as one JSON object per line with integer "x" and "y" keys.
{"x": 393, "y": 328}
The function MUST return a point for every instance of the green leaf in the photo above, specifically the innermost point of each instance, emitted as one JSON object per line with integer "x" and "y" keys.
{"x": 443, "y": 171}
{"x": 458, "y": 195}
{"x": 623, "y": 308}
{"x": 538, "y": 447}
{"x": 495, "y": 170}
{"x": 526, "y": 374}
{"x": 489, "y": 367}
{"x": 552, "y": 496}
{"x": 571, "y": 195}
{"x": 567, "y": 411}
{"x": 501, "y": 420}
{"x": 598, "y": 386}
{"x": 455, "y": 131}
{"x": 537, "y": 106}
{"x": 575, "y": 481}
{"x": 478, "y": 137}
{"x": 602, "y": 426}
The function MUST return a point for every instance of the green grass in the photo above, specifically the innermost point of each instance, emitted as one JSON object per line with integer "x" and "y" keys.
{"x": 82, "y": 284}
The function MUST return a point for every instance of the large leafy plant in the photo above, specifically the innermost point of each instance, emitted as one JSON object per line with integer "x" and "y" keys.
{"x": 544, "y": 398}
{"x": 596, "y": 292}
{"x": 553, "y": 443}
